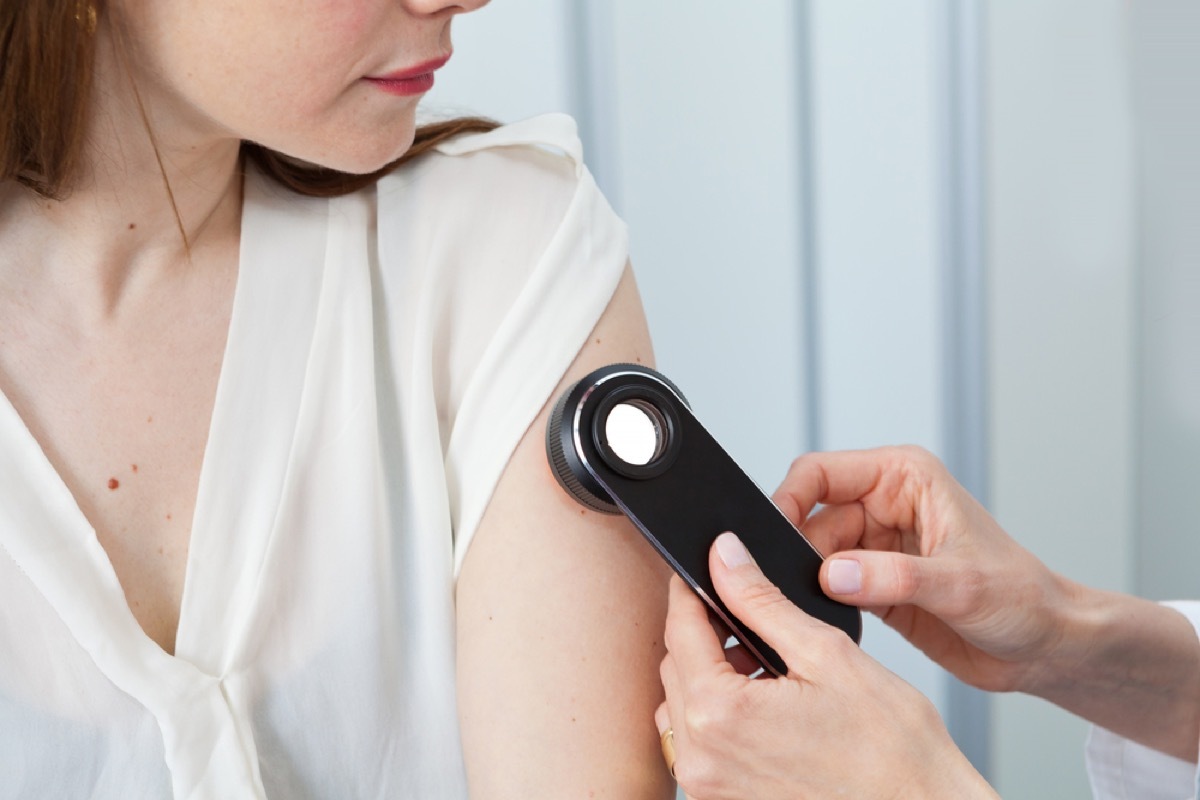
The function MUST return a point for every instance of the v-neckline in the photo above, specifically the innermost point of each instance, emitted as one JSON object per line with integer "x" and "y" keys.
{"x": 243, "y": 467}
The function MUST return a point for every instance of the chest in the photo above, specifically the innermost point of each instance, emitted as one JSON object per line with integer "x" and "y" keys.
{"x": 121, "y": 411}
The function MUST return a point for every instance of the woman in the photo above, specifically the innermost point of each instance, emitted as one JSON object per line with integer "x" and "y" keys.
{"x": 911, "y": 545}
{"x": 271, "y": 522}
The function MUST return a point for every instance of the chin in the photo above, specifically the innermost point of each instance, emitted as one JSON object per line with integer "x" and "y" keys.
{"x": 356, "y": 155}
{"x": 371, "y": 159}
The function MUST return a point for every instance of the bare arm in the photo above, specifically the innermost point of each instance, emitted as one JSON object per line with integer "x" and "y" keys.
{"x": 560, "y": 619}
{"x": 1128, "y": 665}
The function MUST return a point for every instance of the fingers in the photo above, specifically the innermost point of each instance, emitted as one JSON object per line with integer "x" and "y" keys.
{"x": 885, "y": 480}
{"x": 662, "y": 718}
{"x": 690, "y": 636}
{"x": 836, "y": 528}
{"x": 868, "y": 578}
{"x": 759, "y": 604}
{"x": 829, "y": 478}
{"x": 662, "y": 721}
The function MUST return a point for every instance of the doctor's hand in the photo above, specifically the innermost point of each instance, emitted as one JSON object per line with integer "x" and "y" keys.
{"x": 903, "y": 539}
{"x": 839, "y": 724}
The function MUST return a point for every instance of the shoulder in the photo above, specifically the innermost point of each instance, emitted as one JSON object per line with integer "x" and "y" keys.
{"x": 485, "y": 214}
{"x": 548, "y": 133}
{"x": 526, "y": 172}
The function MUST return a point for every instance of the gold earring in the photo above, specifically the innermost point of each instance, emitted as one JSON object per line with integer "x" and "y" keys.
{"x": 85, "y": 16}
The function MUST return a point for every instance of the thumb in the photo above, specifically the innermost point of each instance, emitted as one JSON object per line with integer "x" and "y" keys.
{"x": 759, "y": 603}
{"x": 870, "y": 578}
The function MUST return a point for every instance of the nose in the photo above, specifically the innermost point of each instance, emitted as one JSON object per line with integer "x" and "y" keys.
{"x": 433, "y": 8}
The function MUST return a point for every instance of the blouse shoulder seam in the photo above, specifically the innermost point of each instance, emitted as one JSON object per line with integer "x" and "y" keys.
{"x": 553, "y": 132}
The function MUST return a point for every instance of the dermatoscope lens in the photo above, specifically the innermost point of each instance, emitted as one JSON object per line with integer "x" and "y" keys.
{"x": 636, "y": 432}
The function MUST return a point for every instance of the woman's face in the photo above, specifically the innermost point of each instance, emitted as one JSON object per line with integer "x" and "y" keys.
{"x": 292, "y": 75}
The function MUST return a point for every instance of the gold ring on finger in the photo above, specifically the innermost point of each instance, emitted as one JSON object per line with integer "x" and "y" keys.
{"x": 668, "y": 749}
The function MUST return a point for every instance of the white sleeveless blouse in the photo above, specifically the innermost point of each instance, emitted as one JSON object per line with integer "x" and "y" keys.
{"x": 387, "y": 351}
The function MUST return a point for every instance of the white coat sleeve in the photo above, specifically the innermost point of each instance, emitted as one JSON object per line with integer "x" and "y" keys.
{"x": 1123, "y": 770}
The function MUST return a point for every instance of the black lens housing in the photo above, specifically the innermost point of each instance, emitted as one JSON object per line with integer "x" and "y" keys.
{"x": 686, "y": 494}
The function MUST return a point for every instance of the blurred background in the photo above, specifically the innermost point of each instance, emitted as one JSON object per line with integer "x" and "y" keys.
{"x": 968, "y": 225}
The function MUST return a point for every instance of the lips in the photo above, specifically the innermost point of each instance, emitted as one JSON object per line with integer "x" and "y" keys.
{"x": 411, "y": 80}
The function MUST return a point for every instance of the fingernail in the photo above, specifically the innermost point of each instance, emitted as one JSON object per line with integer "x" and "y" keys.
{"x": 845, "y": 576}
{"x": 732, "y": 551}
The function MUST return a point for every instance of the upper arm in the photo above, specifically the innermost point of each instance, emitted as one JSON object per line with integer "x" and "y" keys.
{"x": 560, "y": 616}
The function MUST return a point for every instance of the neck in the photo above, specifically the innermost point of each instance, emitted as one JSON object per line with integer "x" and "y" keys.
{"x": 154, "y": 195}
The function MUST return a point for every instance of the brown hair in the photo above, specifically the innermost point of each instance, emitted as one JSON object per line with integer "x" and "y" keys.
{"x": 317, "y": 181}
{"x": 46, "y": 55}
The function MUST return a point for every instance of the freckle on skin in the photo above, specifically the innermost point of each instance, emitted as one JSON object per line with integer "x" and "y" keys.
{"x": 113, "y": 484}
{"x": 149, "y": 419}
{"x": 133, "y": 467}
{"x": 168, "y": 516}
{"x": 132, "y": 225}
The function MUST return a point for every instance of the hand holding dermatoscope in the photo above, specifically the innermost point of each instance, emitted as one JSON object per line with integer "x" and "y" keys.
{"x": 623, "y": 440}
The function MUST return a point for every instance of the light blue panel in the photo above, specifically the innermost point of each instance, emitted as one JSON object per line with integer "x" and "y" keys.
{"x": 1062, "y": 288}
{"x": 706, "y": 124}
{"x": 877, "y": 127}
{"x": 1166, "y": 60}
{"x": 1062, "y": 304}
